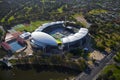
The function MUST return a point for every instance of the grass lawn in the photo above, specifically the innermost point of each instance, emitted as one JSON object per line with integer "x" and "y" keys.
{"x": 60, "y": 10}
{"x": 116, "y": 71}
{"x": 97, "y": 11}
{"x": 31, "y": 27}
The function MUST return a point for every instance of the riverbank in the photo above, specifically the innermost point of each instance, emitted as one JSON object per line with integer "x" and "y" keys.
{"x": 36, "y": 71}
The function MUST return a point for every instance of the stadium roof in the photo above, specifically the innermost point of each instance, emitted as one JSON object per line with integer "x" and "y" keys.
{"x": 48, "y": 39}
{"x": 47, "y": 25}
{"x": 43, "y": 38}
{"x": 77, "y": 36}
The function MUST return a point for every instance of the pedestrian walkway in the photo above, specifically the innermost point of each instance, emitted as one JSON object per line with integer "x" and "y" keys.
{"x": 28, "y": 50}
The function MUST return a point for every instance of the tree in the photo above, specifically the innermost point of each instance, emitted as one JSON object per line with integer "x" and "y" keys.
{"x": 69, "y": 55}
{"x": 56, "y": 59}
{"x": 1, "y": 33}
{"x": 82, "y": 63}
{"x": 5, "y": 24}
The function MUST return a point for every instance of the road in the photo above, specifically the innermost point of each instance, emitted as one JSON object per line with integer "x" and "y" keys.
{"x": 95, "y": 71}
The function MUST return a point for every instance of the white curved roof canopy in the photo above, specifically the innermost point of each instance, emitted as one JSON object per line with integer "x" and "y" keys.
{"x": 47, "y": 25}
{"x": 51, "y": 41}
{"x": 38, "y": 43}
{"x": 43, "y": 38}
{"x": 77, "y": 36}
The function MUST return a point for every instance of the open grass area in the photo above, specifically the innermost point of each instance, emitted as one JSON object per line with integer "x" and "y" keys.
{"x": 115, "y": 71}
{"x": 97, "y": 11}
{"x": 60, "y": 10}
{"x": 30, "y": 27}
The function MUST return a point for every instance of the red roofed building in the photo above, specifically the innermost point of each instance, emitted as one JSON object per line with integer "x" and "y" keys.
{"x": 11, "y": 36}
{"x": 21, "y": 40}
{"x": 16, "y": 34}
{"x": 5, "y": 46}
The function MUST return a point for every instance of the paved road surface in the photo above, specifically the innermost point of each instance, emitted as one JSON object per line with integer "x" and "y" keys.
{"x": 96, "y": 70}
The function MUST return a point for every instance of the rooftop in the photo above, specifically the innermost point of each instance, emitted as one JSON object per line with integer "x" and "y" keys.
{"x": 62, "y": 34}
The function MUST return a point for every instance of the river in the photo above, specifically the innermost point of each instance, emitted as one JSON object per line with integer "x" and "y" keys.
{"x": 18, "y": 73}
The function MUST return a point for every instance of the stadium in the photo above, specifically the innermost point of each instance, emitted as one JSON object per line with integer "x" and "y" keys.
{"x": 58, "y": 36}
